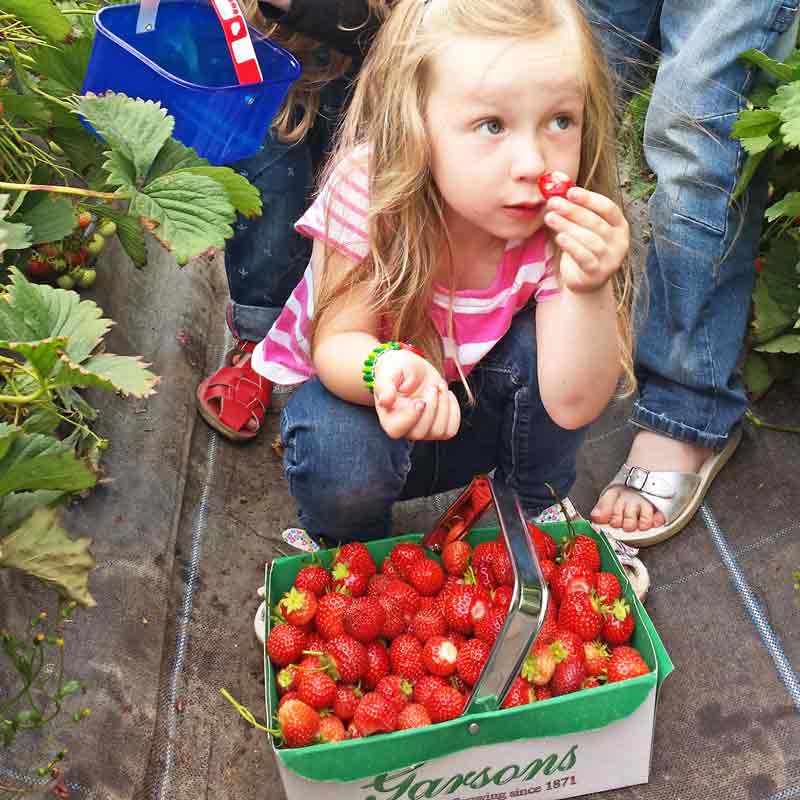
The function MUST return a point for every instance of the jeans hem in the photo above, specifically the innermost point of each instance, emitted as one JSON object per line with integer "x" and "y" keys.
{"x": 250, "y": 323}
{"x": 661, "y": 423}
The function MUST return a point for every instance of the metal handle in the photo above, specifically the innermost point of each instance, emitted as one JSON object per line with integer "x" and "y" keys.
{"x": 146, "y": 21}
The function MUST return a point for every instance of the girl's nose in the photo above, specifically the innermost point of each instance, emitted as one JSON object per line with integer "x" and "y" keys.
{"x": 527, "y": 164}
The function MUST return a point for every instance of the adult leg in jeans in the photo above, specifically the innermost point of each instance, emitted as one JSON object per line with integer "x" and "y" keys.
{"x": 345, "y": 473}
{"x": 264, "y": 260}
{"x": 700, "y": 261}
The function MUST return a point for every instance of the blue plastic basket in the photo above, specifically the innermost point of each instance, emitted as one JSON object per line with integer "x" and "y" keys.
{"x": 185, "y": 64}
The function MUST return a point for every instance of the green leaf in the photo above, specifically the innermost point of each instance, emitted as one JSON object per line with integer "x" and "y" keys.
{"x": 35, "y": 311}
{"x": 757, "y": 377}
{"x": 787, "y": 206}
{"x": 243, "y": 196}
{"x": 769, "y": 319}
{"x": 81, "y": 149}
{"x": 120, "y": 172}
{"x": 777, "y": 69}
{"x": 755, "y": 123}
{"x": 129, "y": 232}
{"x": 126, "y": 374}
{"x": 748, "y": 170}
{"x": 788, "y": 343}
{"x": 41, "y": 15}
{"x": 7, "y": 435}
{"x": 34, "y": 461}
{"x": 42, "y": 548}
{"x": 13, "y": 235}
{"x": 786, "y": 102}
{"x": 31, "y": 109}
{"x": 136, "y": 128}
{"x": 175, "y": 155}
{"x": 50, "y": 220}
{"x": 42, "y": 355}
{"x": 62, "y": 68}
{"x": 18, "y": 506}
{"x": 780, "y": 275}
{"x": 187, "y": 213}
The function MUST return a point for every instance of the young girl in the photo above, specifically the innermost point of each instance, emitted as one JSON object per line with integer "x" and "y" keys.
{"x": 431, "y": 229}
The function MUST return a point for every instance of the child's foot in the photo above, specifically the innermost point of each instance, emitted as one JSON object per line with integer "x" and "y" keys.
{"x": 625, "y": 508}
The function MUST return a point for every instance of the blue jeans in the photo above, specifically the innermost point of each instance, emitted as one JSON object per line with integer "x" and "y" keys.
{"x": 700, "y": 261}
{"x": 345, "y": 473}
{"x": 266, "y": 257}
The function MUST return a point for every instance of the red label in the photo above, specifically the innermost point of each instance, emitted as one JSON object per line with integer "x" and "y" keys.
{"x": 240, "y": 45}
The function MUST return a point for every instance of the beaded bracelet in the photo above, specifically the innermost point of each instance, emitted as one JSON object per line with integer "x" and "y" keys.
{"x": 368, "y": 371}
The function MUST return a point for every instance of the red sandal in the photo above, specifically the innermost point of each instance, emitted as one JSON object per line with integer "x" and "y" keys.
{"x": 234, "y": 395}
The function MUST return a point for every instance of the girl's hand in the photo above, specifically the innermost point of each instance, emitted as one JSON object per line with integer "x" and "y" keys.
{"x": 593, "y": 235}
{"x": 412, "y": 400}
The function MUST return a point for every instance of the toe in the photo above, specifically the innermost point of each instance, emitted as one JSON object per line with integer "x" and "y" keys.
{"x": 601, "y": 513}
{"x": 646, "y": 517}
{"x": 617, "y": 513}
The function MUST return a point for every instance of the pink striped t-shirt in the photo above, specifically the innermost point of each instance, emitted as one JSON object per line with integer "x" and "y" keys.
{"x": 481, "y": 317}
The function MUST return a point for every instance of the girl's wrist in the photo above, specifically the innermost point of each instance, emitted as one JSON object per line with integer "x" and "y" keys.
{"x": 378, "y": 353}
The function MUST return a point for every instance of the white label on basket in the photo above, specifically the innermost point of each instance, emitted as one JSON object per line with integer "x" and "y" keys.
{"x": 242, "y": 50}
{"x": 227, "y": 8}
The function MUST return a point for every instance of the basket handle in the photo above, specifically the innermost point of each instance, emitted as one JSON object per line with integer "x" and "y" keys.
{"x": 234, "y": 28}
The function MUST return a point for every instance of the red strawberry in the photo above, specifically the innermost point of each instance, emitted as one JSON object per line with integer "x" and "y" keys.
{"x": 502, "y": 597}
{"x": 395, "y": 620}
{"x": 286, "y": 698}
{"x": 403, "y": 555}
{"x": 592, "y": 682}
{"x": 352, "y": 731}
{"x": 357, "y": 557}
{"x": 331, "y": 729}
{"x": 349, "y": 658}
{"x": 581, "y": 613}
{"x": 427, "y": 623}
{"x": 299, "y": 723}
{"x": 626, "y": 662}
{"x": 426, "y": 576}
{"x": 330, "y": 610}
{"x": 389, "y": 568}
{"x": 346, "y": 701}
{"x": 348, "y": 581}
{"x": 501, "y": 566}
{"x": 549, "y": 570}
{"x": 298, "y": 606}
{"x": 581, "y": 549}
{"x": 426, "y": 686}
{"x": 483, "y": 554}
{"x": 377, "y": 665}
{"x": 564, "y": 573}
{"x": 484, "y": 576}
{"x": 364, "y": 619}
{"x": 595, "y": 656}
{"x": 607, "y": 586}
{"x": 567, "y": 645}
{"x": 543, "y": 543}
{"x": 447, "y": 703}
{"x": 543, "y": 692}
{"x": 549, "y": 624}
{"x": 538, "y": 667}
{"x": 396, "y": 690}
{"x": 568, "y": 676}
{"x": 315, "y": 643}
{"x": 405, "y": 657}
{"x": 314, "y": 578}
{"x": 455, "y": 557}
{"x": 439, "y": 656}
{"x": 377, "y": 583}
{"x": 619, "y": 623}
{"x": 285, "y": 644}
{"x": 578, "y": 584}
{"x": 286, "y": 679}
{"x": 480, "y": 605}
{"x": 553, "y": 183}
{"x": 490, "y": 626}
{"x": 405, "y": 594}
{"x": 375, "y": 714}
{"x": 316, "y": 689}
{"x": 519, "y": 694}
{"x": 414, "y": 715}
{"x": 472, "y": 657}
{"x": 457, "y": 606}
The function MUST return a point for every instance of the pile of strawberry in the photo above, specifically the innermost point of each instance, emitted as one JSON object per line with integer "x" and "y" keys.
{"x": 359, "y": 651}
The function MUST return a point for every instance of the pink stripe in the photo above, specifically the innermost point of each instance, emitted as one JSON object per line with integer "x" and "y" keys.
{"x": 358, "y": 211}
{"x": 347, "y": 225}
{"x": 316, "y": 233}
{"x": 475, "y": 327}
{"x": 276, "y": 353}
{"x": 547, "y": 294}
{"x": 356, "y": 188}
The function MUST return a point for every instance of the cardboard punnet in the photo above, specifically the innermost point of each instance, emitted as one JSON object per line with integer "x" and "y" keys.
{"x": 576, "y": 744}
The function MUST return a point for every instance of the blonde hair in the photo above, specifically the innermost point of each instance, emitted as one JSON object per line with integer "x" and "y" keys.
{"x": 406, "y": 220}
{"x": 301, "y": 106}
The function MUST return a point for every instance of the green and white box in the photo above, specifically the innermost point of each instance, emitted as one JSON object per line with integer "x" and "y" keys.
{"x": 580, "y": 743}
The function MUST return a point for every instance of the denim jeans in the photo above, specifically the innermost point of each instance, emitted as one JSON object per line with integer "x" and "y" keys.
{"x": 699, "y": 266}
{"x": 266, "y": 257}
{"x": 345, "y": 473}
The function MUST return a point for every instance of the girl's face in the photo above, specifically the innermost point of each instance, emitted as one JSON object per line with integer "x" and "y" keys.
{"x": 500, "y": 112}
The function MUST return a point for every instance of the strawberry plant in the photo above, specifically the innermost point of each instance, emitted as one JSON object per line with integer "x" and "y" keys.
{"x": 68, "y": 188}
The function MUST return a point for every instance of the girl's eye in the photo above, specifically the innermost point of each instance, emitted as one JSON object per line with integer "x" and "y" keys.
{"x": 491, "y": 126}
{"x": 562, "y": 122}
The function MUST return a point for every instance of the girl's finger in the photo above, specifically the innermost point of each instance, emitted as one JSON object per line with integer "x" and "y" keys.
{"x": 399, "y": 422}
{"x": 585, "y": 259}
{"x": 423, "y": 426}
{"x": 454, "y": 416}
{"x": 589, "y": 239}
{"x": 439, "y": 427}
{"x": 599, "y": 204}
